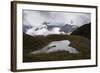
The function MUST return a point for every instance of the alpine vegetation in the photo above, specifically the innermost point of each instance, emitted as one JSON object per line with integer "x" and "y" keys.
{"x": 56, "y": 35}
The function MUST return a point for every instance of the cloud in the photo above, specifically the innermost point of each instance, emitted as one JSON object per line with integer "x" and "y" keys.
{"x": 37, "y": 18}
{"x": 34, "y": 18}
{"x": 43, "y": 31}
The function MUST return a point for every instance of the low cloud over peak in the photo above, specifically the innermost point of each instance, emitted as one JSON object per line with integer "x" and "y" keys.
{"x": 51, "y": 22}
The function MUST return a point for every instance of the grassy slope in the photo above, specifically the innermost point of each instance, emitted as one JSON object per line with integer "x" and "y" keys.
{"x": 80, "y": 43}
{"x": 84, "y": 31}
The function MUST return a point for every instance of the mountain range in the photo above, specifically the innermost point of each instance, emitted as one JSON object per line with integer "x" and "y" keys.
{"x": 48, "y": 29}
{"x": 36, "y": 43}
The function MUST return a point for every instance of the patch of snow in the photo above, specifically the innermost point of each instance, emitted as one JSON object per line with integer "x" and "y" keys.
{"x": 57, "y": 46}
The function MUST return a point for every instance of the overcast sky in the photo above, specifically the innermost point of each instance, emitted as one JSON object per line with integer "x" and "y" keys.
{"x": 34, "y": 18}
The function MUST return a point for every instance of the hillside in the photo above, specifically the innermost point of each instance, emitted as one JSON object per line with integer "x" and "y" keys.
{"x": 33, "y": 43}
{"x": 84, "y": 31}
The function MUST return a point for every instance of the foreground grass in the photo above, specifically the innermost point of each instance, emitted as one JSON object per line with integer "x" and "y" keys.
{"x": 82, "y": 44}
